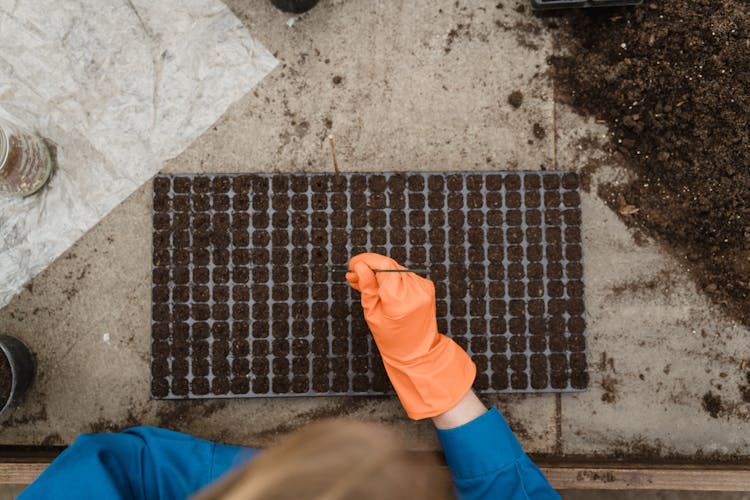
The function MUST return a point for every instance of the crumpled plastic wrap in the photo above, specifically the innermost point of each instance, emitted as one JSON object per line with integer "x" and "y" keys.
{"x": 117, "y": 87}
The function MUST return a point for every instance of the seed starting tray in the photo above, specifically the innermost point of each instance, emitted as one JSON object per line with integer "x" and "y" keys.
{"x": 244, "y": 305}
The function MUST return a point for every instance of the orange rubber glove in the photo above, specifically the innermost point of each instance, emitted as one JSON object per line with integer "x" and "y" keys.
{"x": 429, "y": 371}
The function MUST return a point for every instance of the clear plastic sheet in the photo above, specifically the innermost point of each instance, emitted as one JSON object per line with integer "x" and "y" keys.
{"x": 116, "y": 87}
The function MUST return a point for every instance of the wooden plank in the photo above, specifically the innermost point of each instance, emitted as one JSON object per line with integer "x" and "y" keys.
{"x": 626, "y": 477}
{"x": 21, "y": 472}
{"x": 679, "y": 478}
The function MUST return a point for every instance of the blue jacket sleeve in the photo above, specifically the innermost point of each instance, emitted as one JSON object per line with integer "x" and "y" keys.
{"x": 487, "y": 461}
{"x": 142, "y": 462}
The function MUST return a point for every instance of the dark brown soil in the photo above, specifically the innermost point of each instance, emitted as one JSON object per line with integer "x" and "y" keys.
{"x": 515, "y": 98}
{"x": 677, "y": 98}
{"x": 270, "y": 284}
{"x": 539, "y": 376}
{"x": 436, "y": 183}
{"x": 712, "y": 404}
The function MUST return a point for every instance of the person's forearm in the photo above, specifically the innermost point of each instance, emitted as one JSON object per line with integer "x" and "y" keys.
{"x": 469, "y": 408}
{"x": 484, "y": 456}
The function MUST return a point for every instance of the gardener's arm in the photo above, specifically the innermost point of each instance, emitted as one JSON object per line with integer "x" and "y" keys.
{"x": 485, "y": 457}
{"x": 433, "y": 376}
{"x": 143, "y": 462}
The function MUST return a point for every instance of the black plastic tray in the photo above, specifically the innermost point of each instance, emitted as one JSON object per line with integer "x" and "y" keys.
{"x": 244, "y": 306}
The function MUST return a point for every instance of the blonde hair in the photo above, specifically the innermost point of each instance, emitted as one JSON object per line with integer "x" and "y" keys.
{"x": 336, "y": 460}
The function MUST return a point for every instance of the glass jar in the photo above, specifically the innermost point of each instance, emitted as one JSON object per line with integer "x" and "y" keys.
{"x": 25, "y": 162}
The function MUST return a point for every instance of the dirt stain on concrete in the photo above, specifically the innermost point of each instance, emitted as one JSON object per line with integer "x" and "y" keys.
{"x": 662, "y": 283}
{"x": 712, "y": 404}
{"x": 345, "y": 407}
{"x": 181, "y": 414}
{"x": 608, "y": 382}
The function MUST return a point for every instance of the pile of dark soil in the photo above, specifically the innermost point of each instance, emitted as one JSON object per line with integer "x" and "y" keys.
{"x": 672, "y": 81}
{"x": 6, "y": 380}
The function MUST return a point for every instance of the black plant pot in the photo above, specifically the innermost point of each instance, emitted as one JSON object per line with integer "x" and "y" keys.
{"x": 294, "y": 6}
{"x": 21, "y": 363}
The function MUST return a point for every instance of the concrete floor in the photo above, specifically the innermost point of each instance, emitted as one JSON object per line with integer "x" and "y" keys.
{"x": 424, "y": 85}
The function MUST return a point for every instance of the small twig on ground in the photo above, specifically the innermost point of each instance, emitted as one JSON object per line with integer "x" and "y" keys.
{"x": 333, "y": 154}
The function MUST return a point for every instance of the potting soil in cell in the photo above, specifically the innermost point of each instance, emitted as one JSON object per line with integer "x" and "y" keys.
{"x": 244, "y": 305}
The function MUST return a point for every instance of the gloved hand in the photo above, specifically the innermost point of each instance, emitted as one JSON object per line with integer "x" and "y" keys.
{"x": 429, "y": 371}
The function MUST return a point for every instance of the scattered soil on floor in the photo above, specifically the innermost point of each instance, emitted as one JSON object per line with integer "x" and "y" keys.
{"x": 712, "y": 404}
{"x": 6, "y": 380}
{"x": 672, "y": 81}
{"x": 103, "y": 425}
{"x": 515, "y": 99}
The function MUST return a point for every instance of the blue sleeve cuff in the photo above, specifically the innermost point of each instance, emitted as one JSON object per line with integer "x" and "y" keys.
{"x": 482, "y": 446}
